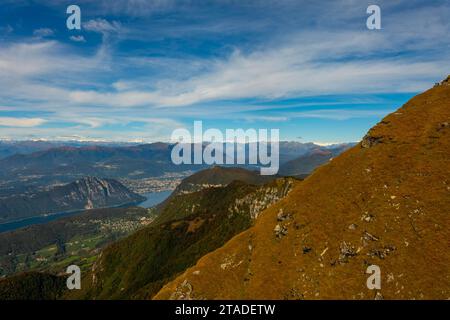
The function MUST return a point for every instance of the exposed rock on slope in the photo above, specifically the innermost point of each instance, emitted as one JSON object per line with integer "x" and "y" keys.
{"x": 384, "y": 202}
{"x": 189, "y": 226}
{"x": 86, "y": 193}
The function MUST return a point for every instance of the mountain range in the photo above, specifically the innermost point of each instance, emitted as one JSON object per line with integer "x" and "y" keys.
{"x": 12, "y": 147}
{"x": 22, "y": 172}
{"x": 85, "y": 193}
{"x": 303, "y": 165}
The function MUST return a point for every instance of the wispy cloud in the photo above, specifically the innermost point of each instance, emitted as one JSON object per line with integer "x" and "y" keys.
{"x": 301, "y": 67}
{"x": 21, "y": 122}
{"x": 102, "y": 26}
{"x": 43, "y": 32}
{"x": 339, "y": 114}
{"x": 158, "y": 64}
{"x": 78, "y": 38}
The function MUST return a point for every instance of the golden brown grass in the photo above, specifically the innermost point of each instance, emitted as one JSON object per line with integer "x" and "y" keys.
{"x": 390, "y": 203}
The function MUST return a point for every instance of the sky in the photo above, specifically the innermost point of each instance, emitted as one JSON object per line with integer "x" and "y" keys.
{"x": 139, "y": 69}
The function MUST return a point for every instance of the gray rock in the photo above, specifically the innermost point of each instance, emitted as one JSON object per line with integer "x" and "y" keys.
{"x": 378, "y": 296}
{"x": 346, "y": 251}
{"x": 369, "y": 237}
{"x": 353, "y": 226}
{"x": 369, "y": 141}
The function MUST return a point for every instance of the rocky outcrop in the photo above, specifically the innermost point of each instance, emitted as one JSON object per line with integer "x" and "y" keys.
{"x": 369, "y": 141}
{"x": 85, "y": 193}
{"x": 265, "y": 196}
{"x": 445, "y": 82}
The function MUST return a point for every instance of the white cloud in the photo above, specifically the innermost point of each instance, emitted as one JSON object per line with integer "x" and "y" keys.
{"x": 78, "y": 38}
{"x": 125, "y": 99}
{"x": 304, "y": 65}
{"x": 102, "y": 26}
{"x": 307, "y": 65}
{"x": 339, "y": 114}
{"x": 408, "y": 55}
{"x": 267, "y": 118}
{"x": 21, "y": 122}
{"x": 28, "y": 59}
{"x": 151, "y": 133}
{"x": 43, "y": 32}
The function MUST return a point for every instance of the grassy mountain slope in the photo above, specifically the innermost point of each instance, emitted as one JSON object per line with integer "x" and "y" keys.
{"x": 32, "y": 286}
{"x": 386, "y": 202}
{"x": 189, "y": 226}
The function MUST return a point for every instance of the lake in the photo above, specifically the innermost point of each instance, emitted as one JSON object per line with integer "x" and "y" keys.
{"x": 153, "y": 199}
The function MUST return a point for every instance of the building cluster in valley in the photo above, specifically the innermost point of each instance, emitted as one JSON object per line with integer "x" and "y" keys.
{"x": 167, "y": 182}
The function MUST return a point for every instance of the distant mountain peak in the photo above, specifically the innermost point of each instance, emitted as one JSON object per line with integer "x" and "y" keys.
{"x": 219, "y": 176}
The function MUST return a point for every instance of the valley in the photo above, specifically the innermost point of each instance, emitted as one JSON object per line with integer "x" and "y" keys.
{"x": 74, "y": 240}
{"x": 188, "y": 225}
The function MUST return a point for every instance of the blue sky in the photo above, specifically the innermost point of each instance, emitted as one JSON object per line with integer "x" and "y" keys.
{"x": 138, "y": 69}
